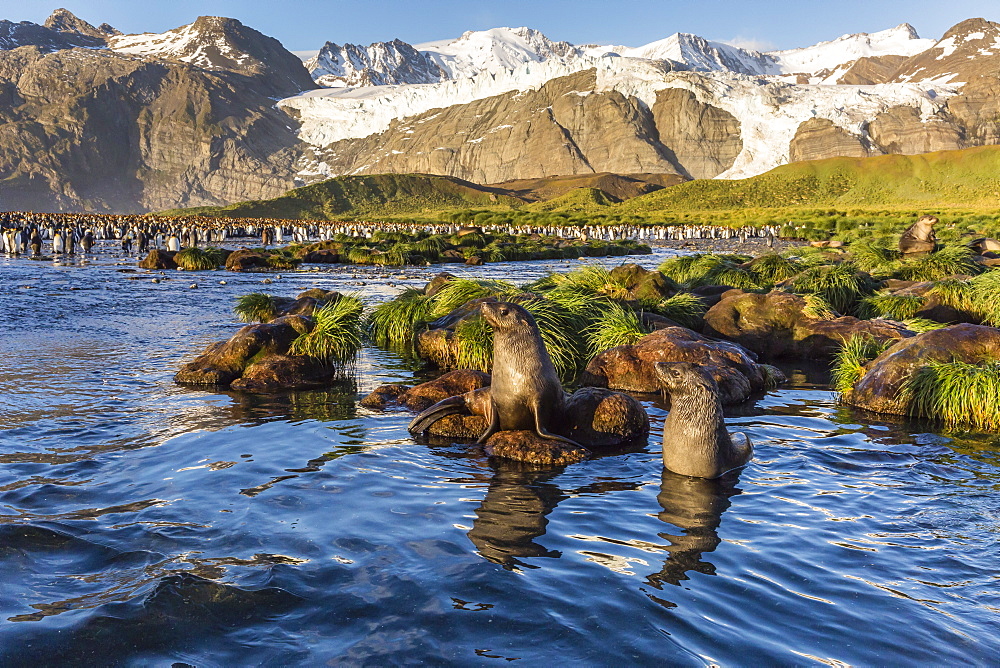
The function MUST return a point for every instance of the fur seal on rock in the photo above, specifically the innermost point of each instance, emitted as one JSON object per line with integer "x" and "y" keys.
{"x": 525, "y": 393}
{"x": 919, "y": 237}
{"x": 695, "y": 440}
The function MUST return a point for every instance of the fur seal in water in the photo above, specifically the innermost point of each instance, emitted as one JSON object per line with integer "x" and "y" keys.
{"x": 525, "y": 393}
{"x": 695, "y": 440}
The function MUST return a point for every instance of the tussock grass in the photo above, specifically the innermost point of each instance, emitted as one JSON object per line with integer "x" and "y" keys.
{"x": 979, "y": 297}
{"x": 683, "y": 308}
{"x": 876, "y": 258}
{"x": 817, "y": 307}
{"x": 921, "y": 325}
{"x": 693, "y": 271}
{"x": 895, "y": 307}
{"x": 617, "y": 326}
{"x": 839, "y": 284}
{"x": 393, "y": 323}
{"x": 849, "y": 363}
{"x": 773, "y": 268}
{"x": 255, "y": 307}
{"x": 336, "y": 336}
{"x": 956, "y": 393}
{"x": 462, "y": 290}
{"x": 946, "y": 262}
{"x": 197, "y": 259}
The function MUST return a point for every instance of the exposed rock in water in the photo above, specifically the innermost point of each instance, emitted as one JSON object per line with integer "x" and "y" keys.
{"x": 631, "y": 368}
{"x": 527, "y": 446}
{"x": 159, "y": 259}
{"x": 776, "y": 326}
{"x": 880, "y": 388}
{"x": 427, "y": 394}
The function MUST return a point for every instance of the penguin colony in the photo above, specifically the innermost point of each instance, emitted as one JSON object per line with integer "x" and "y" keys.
{"x": 27, "y": 233}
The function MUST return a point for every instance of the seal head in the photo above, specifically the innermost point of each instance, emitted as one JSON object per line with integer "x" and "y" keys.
{"x": 695, "y": 440}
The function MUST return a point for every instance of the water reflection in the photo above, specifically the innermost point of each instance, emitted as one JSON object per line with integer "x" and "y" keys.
{"x": 695, "y": 506}
{"x": 514, "y": 513}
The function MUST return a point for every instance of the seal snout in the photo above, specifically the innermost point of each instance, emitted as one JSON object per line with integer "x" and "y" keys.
{"x": 672, "y": 375}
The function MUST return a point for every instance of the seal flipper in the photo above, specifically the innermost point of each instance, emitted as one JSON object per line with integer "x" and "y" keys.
{"x": 445, "y": 407}
{"x": 493, "y": 420}
{"x": 548, "y": 435}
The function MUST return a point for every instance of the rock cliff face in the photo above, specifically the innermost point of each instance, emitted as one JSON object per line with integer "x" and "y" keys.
{"x": 562, "y": 128}
{"x": 703, "y": 140}
{"x": 819, "y": 138}
{"x": 97, "y": 130}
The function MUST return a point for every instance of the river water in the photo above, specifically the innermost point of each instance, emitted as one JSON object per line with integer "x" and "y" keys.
{"x": 142, "y": 523}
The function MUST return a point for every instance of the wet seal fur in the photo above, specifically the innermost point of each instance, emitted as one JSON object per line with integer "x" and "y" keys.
{"x": 526, "y": 393}
{"x": 695, "y": 440}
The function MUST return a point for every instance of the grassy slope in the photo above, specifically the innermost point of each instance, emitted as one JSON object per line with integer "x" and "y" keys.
{"x": 969, "y": 178}
{"x": 366, "y": 196}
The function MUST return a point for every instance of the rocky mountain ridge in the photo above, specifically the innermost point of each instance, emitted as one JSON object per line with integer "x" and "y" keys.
{"x": 215, "y": 111}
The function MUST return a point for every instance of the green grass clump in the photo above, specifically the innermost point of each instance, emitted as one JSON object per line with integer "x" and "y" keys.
{"x": 849, "y": 363}
{"x": 894, "y": 307}
{"x": 618, "y": 326}
{"x": 876, "y": 258}
{"x": 921, "y": 325}
{"x": 197, "y": 259}
{"x": 462, "y": 290}
{"x": 841, "y": 285}
{"x": 255, "y": 307}
{"x": 956, "y": 393}
{"x": 693, "y": 271}
{"x": 393, "y": 323}
{"x": 683, "y": 308}
{"x": 978, "y": 297}
{"x": 336, "y": 336}
{"x": 817, "y": 307}
{"x": 937, "y": 266}
{"x": 773, "y": 268}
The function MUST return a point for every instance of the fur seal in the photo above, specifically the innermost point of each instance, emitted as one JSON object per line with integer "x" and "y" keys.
{"x": 919, "y": 237}
{"x": 695, "y": 440}
{"x": 525, "y": 393}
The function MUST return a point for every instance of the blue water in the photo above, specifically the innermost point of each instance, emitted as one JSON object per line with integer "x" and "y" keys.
{"x": 142, "y": 523}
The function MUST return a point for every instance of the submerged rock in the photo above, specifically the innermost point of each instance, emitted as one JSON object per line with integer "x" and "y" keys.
{"x": 427, "y": 394}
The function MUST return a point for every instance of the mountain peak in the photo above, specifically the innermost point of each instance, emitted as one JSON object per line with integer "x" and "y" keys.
{"x": 65, "y": 21}
{"x": 970, "y": 27}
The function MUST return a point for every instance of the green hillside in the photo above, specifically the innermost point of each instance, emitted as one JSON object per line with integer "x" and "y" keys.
{"x": 345, "y": 197}
{"x": 968, "y": 178}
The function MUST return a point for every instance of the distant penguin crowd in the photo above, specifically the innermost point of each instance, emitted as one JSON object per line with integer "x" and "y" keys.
{"x": 34, "y": 234}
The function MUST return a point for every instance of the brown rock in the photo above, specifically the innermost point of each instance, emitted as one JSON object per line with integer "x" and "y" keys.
{"x": 245, "y": 260}
{"x": 775, "y": 326}
{"x": 322, "y": 257}
{"x": 425, "y": 395}
{"x": 527, "y": 446}
{"x": 439, "y": 281}
{"x": 159, "y": 259}
{"x": 630, "y": 368}
{"x": 466, "y": 427}
{"x": 284, "y": 372}
{"x": 879, "y": 390}
{"x": 223, "y": 362}
{"x": 901, "y": 130}
{"x": 642, "y": 285}
{"x": 601, "y": 418}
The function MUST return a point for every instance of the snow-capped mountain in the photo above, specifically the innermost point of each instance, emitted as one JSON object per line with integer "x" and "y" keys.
{"x": 380, "y": 64}
{"x": 496, "y": 50}
{"x": 700, "y": 55}
{"x": 828, "y": 57}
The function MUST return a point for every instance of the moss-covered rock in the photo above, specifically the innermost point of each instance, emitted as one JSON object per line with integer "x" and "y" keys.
{"x": 778, "y": 325}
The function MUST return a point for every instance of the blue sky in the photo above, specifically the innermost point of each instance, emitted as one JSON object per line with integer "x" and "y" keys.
{"x": 307, "y": 24}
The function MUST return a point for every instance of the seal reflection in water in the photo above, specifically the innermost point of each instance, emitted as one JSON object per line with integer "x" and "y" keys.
{"x": 695, "y": 440}
{"x": 695, "y": 506}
